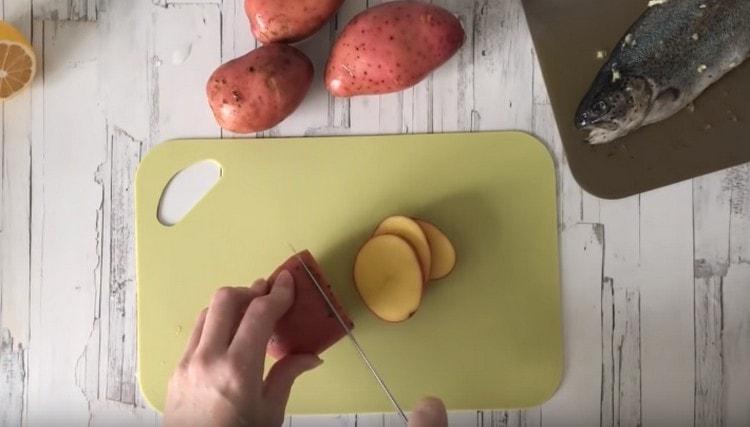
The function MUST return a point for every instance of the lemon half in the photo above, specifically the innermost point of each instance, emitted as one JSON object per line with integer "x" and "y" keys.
{"x": 17, "y": 61}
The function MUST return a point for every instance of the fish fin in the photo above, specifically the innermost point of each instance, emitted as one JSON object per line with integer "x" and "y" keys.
{"x": 668, "y": 95}
{"x": 665, "y": 105}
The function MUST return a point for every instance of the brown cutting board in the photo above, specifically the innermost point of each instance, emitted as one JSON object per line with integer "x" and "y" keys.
{"x": 567, "y": 34}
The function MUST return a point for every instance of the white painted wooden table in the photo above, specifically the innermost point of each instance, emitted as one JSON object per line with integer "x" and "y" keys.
{"x": 656, "y": 287}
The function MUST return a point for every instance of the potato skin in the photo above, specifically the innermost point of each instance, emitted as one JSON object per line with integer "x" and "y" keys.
{"x": 391, "y": 47}
{"x": 285, "y": 21}
{"x": 258, "y": 90}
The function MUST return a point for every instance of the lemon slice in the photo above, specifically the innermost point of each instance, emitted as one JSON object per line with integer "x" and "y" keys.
{"x": 17, "y": 61}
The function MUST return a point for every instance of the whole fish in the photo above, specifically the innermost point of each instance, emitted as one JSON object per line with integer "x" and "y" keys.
{"x": 673, "y": 52}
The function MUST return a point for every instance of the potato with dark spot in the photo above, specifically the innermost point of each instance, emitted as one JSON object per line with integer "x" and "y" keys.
{"x": 392, "y": 47}
{"x": 258, "y": 90}
{"x": 285, "y": 21}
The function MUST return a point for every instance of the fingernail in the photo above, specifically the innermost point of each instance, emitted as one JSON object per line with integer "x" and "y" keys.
{"x": 284, "y": 278}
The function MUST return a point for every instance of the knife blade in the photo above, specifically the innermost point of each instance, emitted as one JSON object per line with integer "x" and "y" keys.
{"x": 352, "y": 339}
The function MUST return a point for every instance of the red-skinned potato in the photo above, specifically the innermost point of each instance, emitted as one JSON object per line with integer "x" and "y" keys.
{"x": 309, "y": 326}
{"x": 391, "y": 47}
{"x": 257, "y": 91}
{"x": 285, "y": 21}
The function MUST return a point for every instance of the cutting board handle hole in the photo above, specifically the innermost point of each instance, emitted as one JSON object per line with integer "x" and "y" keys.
{"x": 186, "y": 188}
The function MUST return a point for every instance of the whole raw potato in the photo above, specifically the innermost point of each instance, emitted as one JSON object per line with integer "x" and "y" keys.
{"x": 257, "y": 91}
{"x": 288, "y": 21}
{"x": 391, "y": 47}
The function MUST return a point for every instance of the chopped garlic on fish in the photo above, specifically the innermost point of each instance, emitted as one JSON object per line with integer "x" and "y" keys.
{"x": 695, "y": 36}
{"x": 656, "y": 2}
{"x": 703, "y": 6}
{"x": 702, "y": 68}
{"x": 615, "y": 75}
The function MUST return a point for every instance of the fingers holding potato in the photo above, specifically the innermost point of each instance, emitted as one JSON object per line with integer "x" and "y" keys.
{"x": 258, "y": 90}
{"x": 391, "y": 47}
{"x": 284, "y": 21}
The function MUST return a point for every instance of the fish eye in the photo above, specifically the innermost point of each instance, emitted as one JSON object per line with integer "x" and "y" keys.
{"x": 599, "y": 108}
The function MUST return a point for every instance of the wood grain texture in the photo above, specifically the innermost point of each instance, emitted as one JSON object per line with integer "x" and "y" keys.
{"x": 655, "y": 287}
{"x": 736, "y": 297}
{"x": 66, "y": 10}
{"x": 712, "y": 214}
{"x": 621, "y": 356}
{"x": 12, "y": 380}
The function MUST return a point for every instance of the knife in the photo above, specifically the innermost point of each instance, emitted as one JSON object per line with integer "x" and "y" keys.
{"x": 353, "y": 340}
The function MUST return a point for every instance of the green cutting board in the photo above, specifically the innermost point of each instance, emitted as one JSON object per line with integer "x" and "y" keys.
{"x": 488, "y": 336}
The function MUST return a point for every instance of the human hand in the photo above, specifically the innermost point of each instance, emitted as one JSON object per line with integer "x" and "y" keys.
{"x": 429, "y": 412}
{"x": 219, "y": 381}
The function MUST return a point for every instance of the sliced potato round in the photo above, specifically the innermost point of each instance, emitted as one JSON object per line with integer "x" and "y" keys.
{"x": 388, "y": 277}
{"x": 409, "y": 230}
{"x": 443, "y": 253}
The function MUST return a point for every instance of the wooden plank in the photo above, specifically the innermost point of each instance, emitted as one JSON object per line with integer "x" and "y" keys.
{"x": 15, "y": 195}
{"x": 36, "y": 215}
{"x": 185, "y": 49}
{"x": 736, "y": 297}
{"x": 66, "y": 234}
{"x": 621, "y": 374}
{"x": 709, "y": 357}
{"x": 577, "y": 402}
{"x": 525, "y": 418}
{"x": 667, "y": 323}
{"x": 621, "y": 398}
{"x": 622, "y": 260}
{"x": 123, "y": 36}
{"x": 738, "y": 183}
{"x": 121, "y": 373}
{"x": 736, "y": 350}
{"x": 608, "y": 391}
{"x": 12, "y": 380}
{"x": 15, "y": 217}
{"x": 66, "y": 10}
{"x": 327, "y": 420}
{"x": 625, "y": 353}
{"x": 236, "y": 37}
{"x": 452, "y": 105}
{"x": 711, "y": 211}
{"x": 503, "y": 66}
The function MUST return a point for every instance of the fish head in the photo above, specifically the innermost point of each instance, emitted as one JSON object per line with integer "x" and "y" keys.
{"x": 613, "y": 107}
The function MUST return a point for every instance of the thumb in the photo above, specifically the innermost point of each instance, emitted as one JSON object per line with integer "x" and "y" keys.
{"x": 280, "y": 378}
{"x": 429, "y": 412}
